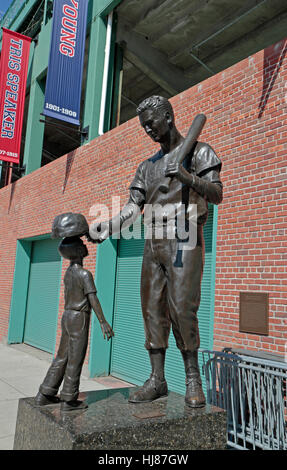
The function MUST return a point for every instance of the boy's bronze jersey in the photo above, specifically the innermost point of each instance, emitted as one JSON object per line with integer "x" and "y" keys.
{"x": 78, "y": 283}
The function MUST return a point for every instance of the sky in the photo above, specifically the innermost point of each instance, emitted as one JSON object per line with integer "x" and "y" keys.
{"x": 4, "y": 5}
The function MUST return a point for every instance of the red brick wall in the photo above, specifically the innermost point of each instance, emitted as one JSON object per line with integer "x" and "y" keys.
{"x": 246, "y": 107}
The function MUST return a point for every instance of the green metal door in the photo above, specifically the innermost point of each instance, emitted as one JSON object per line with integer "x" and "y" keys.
{"x": 43, "y": 295}
{"x": 129, "y": 360}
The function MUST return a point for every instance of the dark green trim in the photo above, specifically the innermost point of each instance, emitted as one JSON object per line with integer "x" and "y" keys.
{"x": 213, "y": 272}
{"x": 20, "y": 288}
{"x": 35, "y": 129}
{"x": 110, "y": 87}
{"x": 36, "y": 237}
{"x": 94, "y": 80}
{"x": 116, "y": 89}
{"x": 104, "y": 7}
{"x": 105, "y": 277}
{"x": 96, "y": 59}
{"x": 20, "y": 291}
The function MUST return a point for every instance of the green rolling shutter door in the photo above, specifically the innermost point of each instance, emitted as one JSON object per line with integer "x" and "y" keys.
{"x": 43, "y": 295}
{"x": 129, "y": 359}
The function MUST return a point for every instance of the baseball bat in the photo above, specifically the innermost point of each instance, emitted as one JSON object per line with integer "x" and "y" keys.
{"x": 192, "y": 136}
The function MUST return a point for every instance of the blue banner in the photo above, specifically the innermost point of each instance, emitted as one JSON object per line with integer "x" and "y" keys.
{"x": 65, "y": 68}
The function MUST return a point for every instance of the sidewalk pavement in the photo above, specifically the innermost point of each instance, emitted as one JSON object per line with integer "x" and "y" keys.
{"x": 22, "y": 369}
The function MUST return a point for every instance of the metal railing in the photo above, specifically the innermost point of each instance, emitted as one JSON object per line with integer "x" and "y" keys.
{"x": 253, "y": 392}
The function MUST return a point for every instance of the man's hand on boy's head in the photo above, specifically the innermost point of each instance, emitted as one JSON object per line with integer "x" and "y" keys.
{"x": 99, "y": 231}
{"x": 87, "y": 235}
{"x": 107, "y": 330}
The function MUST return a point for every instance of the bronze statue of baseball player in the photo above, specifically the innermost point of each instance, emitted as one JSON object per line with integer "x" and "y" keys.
{"x": 171, "y": 275}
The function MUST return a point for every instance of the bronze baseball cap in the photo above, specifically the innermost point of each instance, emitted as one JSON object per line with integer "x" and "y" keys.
{"x": 69, "y": 224}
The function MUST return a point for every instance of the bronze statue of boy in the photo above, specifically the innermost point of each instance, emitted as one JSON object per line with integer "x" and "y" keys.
{"x": 170, "y": 291}
{"x": 80, "y": 297}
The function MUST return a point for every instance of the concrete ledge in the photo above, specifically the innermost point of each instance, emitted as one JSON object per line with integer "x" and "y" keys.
{"x": 111, "y": 423}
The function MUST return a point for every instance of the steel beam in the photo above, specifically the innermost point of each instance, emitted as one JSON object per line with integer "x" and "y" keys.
{"x": 151, "y": 62}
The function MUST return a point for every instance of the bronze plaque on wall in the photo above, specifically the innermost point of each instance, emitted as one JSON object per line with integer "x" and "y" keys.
{"x": 254, "y": 313}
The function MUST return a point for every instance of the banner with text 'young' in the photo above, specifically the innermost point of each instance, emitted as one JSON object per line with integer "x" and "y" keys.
{"x": 65, "y": 68}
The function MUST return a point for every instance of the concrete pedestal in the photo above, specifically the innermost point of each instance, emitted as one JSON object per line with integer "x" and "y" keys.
{"x": 111, "y": 423}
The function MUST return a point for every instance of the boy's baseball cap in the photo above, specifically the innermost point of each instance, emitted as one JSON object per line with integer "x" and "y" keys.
{"x": 69, "y": 224}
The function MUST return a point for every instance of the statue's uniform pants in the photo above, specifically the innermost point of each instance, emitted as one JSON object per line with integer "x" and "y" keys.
{"x": 71, "y": 354}
{"x": 170, "y": 295}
